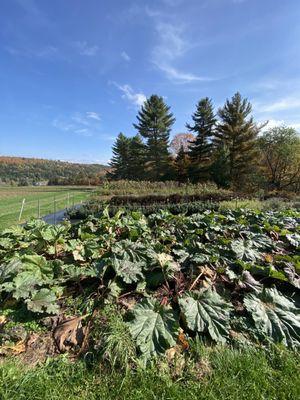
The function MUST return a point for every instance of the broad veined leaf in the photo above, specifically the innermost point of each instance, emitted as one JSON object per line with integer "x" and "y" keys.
{"x": 292, "y": 275}
{"x": 206, "y": 311}
{"x": 294, "y": 239}
{"x": 244, "y": 250}
{"x": 38, "y": 265}
{"x": 43, "y": 301}
{"x": 154, "y": 328}
{"x": 6, "y": 243}
{"x": 275, "y": 317}
{"x": 24, "y": 284}
{"x": 129, "y": 271}
{"x": 7, "y": 271}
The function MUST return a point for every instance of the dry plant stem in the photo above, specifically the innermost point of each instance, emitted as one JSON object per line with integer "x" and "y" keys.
{"x": 195, "y": 281}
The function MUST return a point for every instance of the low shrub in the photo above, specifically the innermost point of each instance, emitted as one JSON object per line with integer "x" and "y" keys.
{"x": 96, "y": 209}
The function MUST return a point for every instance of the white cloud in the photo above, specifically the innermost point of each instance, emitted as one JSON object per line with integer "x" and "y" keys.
{"x": 171, "y": 47}
{"x": 84, "y": 132}
{"x": 80, "y": 118}
{"x": 272, "y": 123}
{"x": 280, "y": 105}
{"x": 62, "y": 125}
{"x": 86, "y": 50}
{"x": 42, "y": 52}
{"x": 172, "y": 3}
{"x": 181, "y": 77}
{"x": 84, "y": 124}
{"x": 125, "y": 56}
{"x": 137, "y": 99}
{"x": 93, "y": 115}
{"x": 47, "y": 51}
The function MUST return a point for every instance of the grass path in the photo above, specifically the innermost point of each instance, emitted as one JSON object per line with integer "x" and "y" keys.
{"x": 49, "y": 198}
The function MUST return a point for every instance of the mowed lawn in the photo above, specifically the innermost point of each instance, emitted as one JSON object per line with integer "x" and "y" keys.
{"x": 41, "y": 200}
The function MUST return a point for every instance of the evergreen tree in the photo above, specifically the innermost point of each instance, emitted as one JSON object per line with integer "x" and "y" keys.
{"x": 219, "y": 169}
{"x": 201, "y": 149}
{"x": 238, "y": 133}
{"x": 120, "y": 160}
{"x": 154, "y": 124}
{"x": 137, "y": 158}
{"x": 182, "y": 164}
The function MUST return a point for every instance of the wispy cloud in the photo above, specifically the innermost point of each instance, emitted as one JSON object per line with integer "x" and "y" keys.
{"x": 172, "y": 3}
{"x": 170, "y": 48}
{"x": 83, "y": 124}
{"x": 125, "y": 56}
{"x": 41, "y": 52}
{"x": 84, "y": 49}
{"x": 84, "y": 132}
{"x": 135, "y": 98}
{"x": 272, "y": 123}
{"x": 93, "y": 115}
{"x": 33, "y": 14}
{"x": 62, "y": 125}
{"x": 287, "y": 103}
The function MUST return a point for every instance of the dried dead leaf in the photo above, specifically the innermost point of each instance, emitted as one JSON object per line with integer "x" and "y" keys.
{"x": 69, "y": 334}
{"x": 182, "y": 340}
{"x": 17, "y": 348}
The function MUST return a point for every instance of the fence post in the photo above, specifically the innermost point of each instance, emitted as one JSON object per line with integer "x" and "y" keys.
{"x": 21, "y": 210}
{"x": 54, "y": 208}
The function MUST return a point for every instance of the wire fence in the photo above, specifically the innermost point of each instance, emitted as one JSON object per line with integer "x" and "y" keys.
{"x": 44, "y": 207}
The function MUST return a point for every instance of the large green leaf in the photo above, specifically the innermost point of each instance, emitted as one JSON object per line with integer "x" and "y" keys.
{"x": 43, "y": 301}
{"x": 38, "y": 265}
{"x": 25, "y": 283}
{"x": 275, "y": 317}
{"x": 294, "y": 239}
{"x": 129, "y": 271}
{"x": 244, "y": 250}
{"x": 206, "y": 311}
{"x": 7, "y": 271}
{"x": 154, "y": 328}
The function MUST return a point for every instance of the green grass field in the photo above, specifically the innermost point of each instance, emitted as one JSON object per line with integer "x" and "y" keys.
{"x": 37, "y": 200}
{"x": 221, "y": 374}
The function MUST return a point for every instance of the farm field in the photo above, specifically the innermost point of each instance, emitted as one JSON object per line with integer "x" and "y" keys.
{"x": 37, "y": 199}
{"x": 131, "y": 297}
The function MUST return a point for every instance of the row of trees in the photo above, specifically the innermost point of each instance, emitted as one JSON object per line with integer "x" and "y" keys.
{"x": 225, "y": 147}
{"x": 31, "y": 171}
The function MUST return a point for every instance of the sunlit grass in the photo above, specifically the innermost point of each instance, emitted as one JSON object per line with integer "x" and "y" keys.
{"x": 232, "y": 374}
{"x": 37, "y": 200}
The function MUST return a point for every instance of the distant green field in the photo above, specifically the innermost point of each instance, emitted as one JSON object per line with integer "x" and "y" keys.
{"x": 41, "y": 201}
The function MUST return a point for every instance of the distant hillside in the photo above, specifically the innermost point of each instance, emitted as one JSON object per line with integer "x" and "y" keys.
{"x": 34, "y": 171}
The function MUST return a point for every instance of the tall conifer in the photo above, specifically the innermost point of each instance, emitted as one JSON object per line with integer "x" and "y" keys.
{"x": 238, "y": 133}
{"x": 154, "y": 124}
{"x": 201, "y": 149}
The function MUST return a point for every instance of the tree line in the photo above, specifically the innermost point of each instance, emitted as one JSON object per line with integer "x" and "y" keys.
{"x": 23, "y": 171}
{"x": 227, "y": 147}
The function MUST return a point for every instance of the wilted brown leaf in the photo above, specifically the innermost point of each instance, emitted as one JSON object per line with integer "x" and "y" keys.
{"x": 69, "y": 334}
{"x": 17, "y": 348}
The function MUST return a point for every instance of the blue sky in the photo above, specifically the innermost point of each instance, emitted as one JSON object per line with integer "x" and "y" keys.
{"x": 73, "y": 73}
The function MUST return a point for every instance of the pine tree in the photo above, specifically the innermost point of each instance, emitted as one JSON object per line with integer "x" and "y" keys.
{"x": 137, "y": 158}
{"x": 182, "y": 164}
{"x": 154, "y": 124}
{"x": 200, "y": 152}
{"x": 238, "y": 133}
{"x": 120, "y": 160}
